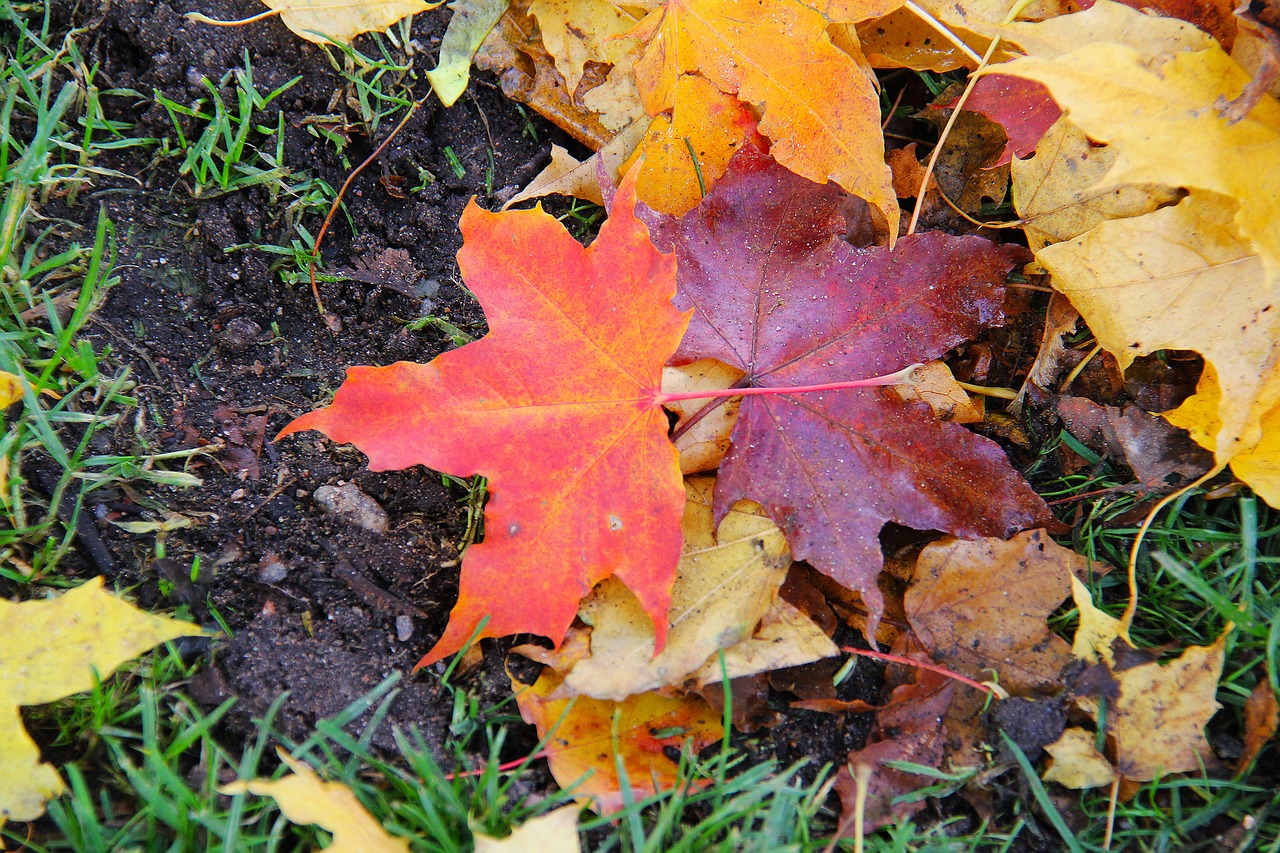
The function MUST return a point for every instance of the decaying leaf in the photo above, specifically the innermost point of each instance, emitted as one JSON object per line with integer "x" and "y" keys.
{"x": 727, "y": 579}
{"x": 1157, "y": 720}
{"x": 778, "y": 294}
{"x": 908, "y": 728}
{"x": 582, "y": 751}
{"x": 980, "y": 608}
{"x": 1183, "y": 278}
{"x": 568, "y": 368}
{"x": 566, "y": 175}
{"x": 1056, "y": 192}
{"x": 1161, "y": 456}
{"x": 527, "y": 73}
{"x": 321, "y": 20}
{"x": 305, "y": 798}
{"x": 1261, "y": 722}
{"x": 52, "y": 649}
{"x": 1156, "y": 105}
{"x": 935, "y": 385}
{"x": 553, "y": 832}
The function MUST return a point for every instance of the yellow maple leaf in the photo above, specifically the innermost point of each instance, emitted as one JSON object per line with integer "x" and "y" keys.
{"x": 1157, "y": 721}
{"x": 553, "y": 832}
{"x": 1259, "y": 465}
{"x": 1183, "y": 278}
{"x": 51, "y": 650}
{"x": 818, "y": 105}
{"x": 687, "y": 149}
{"x": 343, "y": 20}
{"x": 1159, "y": 112}
{"x": 305, "y": 798}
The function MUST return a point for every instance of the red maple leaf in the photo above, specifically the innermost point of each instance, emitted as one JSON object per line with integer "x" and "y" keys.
{"x": 779, "y": 294}
{"x": 1024, "y": 108}
{"x": 558, "y": 406}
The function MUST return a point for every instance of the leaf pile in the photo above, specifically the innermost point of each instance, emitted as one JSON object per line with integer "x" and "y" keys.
{"x": 755, "y": 251}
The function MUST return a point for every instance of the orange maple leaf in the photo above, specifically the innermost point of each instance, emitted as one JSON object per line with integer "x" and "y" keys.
{"x": 558, "y": 406}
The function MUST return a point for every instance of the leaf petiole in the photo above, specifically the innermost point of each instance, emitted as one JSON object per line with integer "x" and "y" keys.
{"x": 902, "y": 377}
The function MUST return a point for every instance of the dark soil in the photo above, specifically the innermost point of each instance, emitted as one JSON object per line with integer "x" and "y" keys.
{"x": 226, "y": 353}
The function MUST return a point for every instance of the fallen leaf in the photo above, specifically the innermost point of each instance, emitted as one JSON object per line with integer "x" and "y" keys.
{"x": 980, "y": 608}
{"x": 305, "y": 798}
{"x": 1158, "y": 721}
{"x": 1261, "y": 721}
{"x": 1183, "y": 278}
{"x": 554, "y": 832}
{"x": 1162, "y": 456}
{"x": 1075, "y": 761}
{"x": 527, "y": 74}
{"x": 785, "y": 637}
{"x": 1056, "y": 194}
{"x": 53, "y": 649}
{"x": 1259, "y": 465}
{"x": 1097, "y": 631}
{"x": 1159, "y": 280}
{"x": 321, "y": 20}
{"x": 704, "y": 442}
{"x": 770, "y": 56}
{"x": 903, "y": 39}
{"x": 727, "y": 579}
{"x": 470, "y": 25}
{"x": 567, "y": 369}
{"x": 1106, "y": 22}
{"x": 1060, "y": 320}
{"x": 565, "y": 175}
{"x": 1023, "y": 108}
{"x": 10, "y": 389}
{"x": 584, "y": 730}
{"x": 779, "y": 295}
{"x": 908, "y": 728}
{"x": 688, "y": 148}
{"x": 934, "y": 385}
{"x": 1213, "y": 16}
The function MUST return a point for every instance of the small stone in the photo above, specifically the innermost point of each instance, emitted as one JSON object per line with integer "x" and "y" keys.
{"x": 273, "y": 570}
{"x": 240, "y": 334}
{"x": 404, "y": 628}
{"x": 354, "y": 506}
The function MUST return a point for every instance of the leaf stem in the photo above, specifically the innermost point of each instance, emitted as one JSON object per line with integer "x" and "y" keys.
{"x": 902, "y": 377}
{"x": 931, "y": 667}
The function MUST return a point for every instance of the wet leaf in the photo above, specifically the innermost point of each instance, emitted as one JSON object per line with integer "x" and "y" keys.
{"x": 567, "y": 368}
{"x": 779, "y": 295}
{"x": 53, "y": 649}
{"x": 1076, "y": 763}
{"x": 704, "y": 442}
{"x": 305, "y": 798}
{"x": 582, "y": 749}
